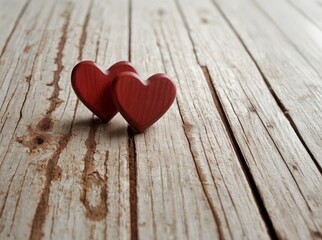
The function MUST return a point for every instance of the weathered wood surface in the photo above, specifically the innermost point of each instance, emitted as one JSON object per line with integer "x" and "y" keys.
{"x": 238, "y": 155}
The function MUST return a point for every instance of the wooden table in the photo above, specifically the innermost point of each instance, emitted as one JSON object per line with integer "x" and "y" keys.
{"x": 237, "y": 156}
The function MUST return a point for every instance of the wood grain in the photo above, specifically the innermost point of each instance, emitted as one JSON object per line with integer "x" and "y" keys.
{"x": 304, "y": 36}
{"x": 310, "y": 9}
{"x": 240, "y": 84}
{"x": 10, "y": 15}
{"x": 296, "y": 86}
{"x": 52, "y": 148}
{"x": 198, "y": 202}
{"x": 237, "y": 156}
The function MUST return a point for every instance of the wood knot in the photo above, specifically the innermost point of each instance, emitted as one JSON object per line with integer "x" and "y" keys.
{"x": 35, "y": 140}
{"x": 161, "y": 12}
{"x": 57, "y": 172}
{"x": 27, "y": 48}
{"x": 204, "y": 20}
{"x": 39, "y": 140}
{"x": 28, "y": 78}
{"x": 45, "y": 124}
{"x": 252, "y": 109}
{"x": 187, "y": 127}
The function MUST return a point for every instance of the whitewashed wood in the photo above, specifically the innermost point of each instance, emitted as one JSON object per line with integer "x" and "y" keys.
{"x": 291, "y": 76}
{"x": 300, "y": 31}
{"x": 9, "y": 18}
{"x": 287, "y": 178}
{"x": 306, "y": 38}
{"x": 171, "y": 201}
{"x": 23, "y": 174}
{"x": 170, "y": 196}
{"x": 295, "y": 83}
{"x": 105, "y": 216}
{"x": 28, "y": 175}
{"x": 17, "y": 168}
{"x": 310, "y": 9}
{"x": 190, "y": 184}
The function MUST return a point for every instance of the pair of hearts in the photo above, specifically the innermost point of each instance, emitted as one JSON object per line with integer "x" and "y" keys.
{"x": 119, "y": 89}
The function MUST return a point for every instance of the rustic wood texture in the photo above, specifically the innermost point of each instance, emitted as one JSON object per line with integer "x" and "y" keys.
{"x": 237, "y": 156}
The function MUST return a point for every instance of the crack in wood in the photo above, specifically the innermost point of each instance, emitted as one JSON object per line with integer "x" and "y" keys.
{"x": 51, "y": 174}
{"x": 277, "y": 100}
{"x": 253, "y": 109}
{"x": 54, "y": 100}
{"x": 133, "y": 183}
{"x": 92, "y": 180}
{"x": 28, "y": 81}
{"x": 288, "y": 167}
{"x": 303, "y": 13}
{"x": 242, "y": 161}
{"x": 97, "y": 49}
{"x": 38, "y": 138}
{"x": 244, "y": 135}
{"x": 188, "y": 31}
{"x": 7, "y": 193}
{"x": 23, "y": 10}
{"x": 28, "y": 78}
{"x": 82, "y": 39}
{"x": 46, "y": 123}
{"x": 19, "y": 197}
{"x": 289, "y": 118}
{"x": 222, "y": 176}
{"x": 43, "y": 206}
{"x": 298, "y": 50}
{"x": 187, "y": 127}
{"x": 131, "y": 149}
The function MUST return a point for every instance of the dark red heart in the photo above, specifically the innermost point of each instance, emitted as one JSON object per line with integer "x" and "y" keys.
{"x": 143, "y": 103}
{"x": 93, "y": 86}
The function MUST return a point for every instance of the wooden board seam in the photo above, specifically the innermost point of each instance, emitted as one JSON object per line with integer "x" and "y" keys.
{"x": 302, "y": 13}
{"x": 278, "y": 101}
{"x": 242, "y": 161}
{"x": 285, "y": 36}
{"x": 23, "y": 10}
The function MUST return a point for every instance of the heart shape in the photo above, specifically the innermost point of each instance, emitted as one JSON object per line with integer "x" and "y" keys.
{"x": 143, "y": 103}
{"x": 93, "y": 86}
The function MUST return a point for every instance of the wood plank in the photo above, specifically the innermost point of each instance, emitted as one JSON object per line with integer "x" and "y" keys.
{"x": 62, "y": 167}
{"x": 64, "y": 175}
{"x": 10, "y": 16}
{"x": 177, "y": 190}
{"x": 301, "y": 84}
{"x": 287, "y": 178}
{"x": 170, "y": 201}
{"x": 100, "y": 207}
{"x": 310, "y": 9}
{"x": 300, "y": 31}
{"x": 17, "y": 168}
{"x": 297, "y": 87}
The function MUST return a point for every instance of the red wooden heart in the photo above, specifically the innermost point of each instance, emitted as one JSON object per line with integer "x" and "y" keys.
{"x": 93, "y": 86}
{"x": 143, "y": 103}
